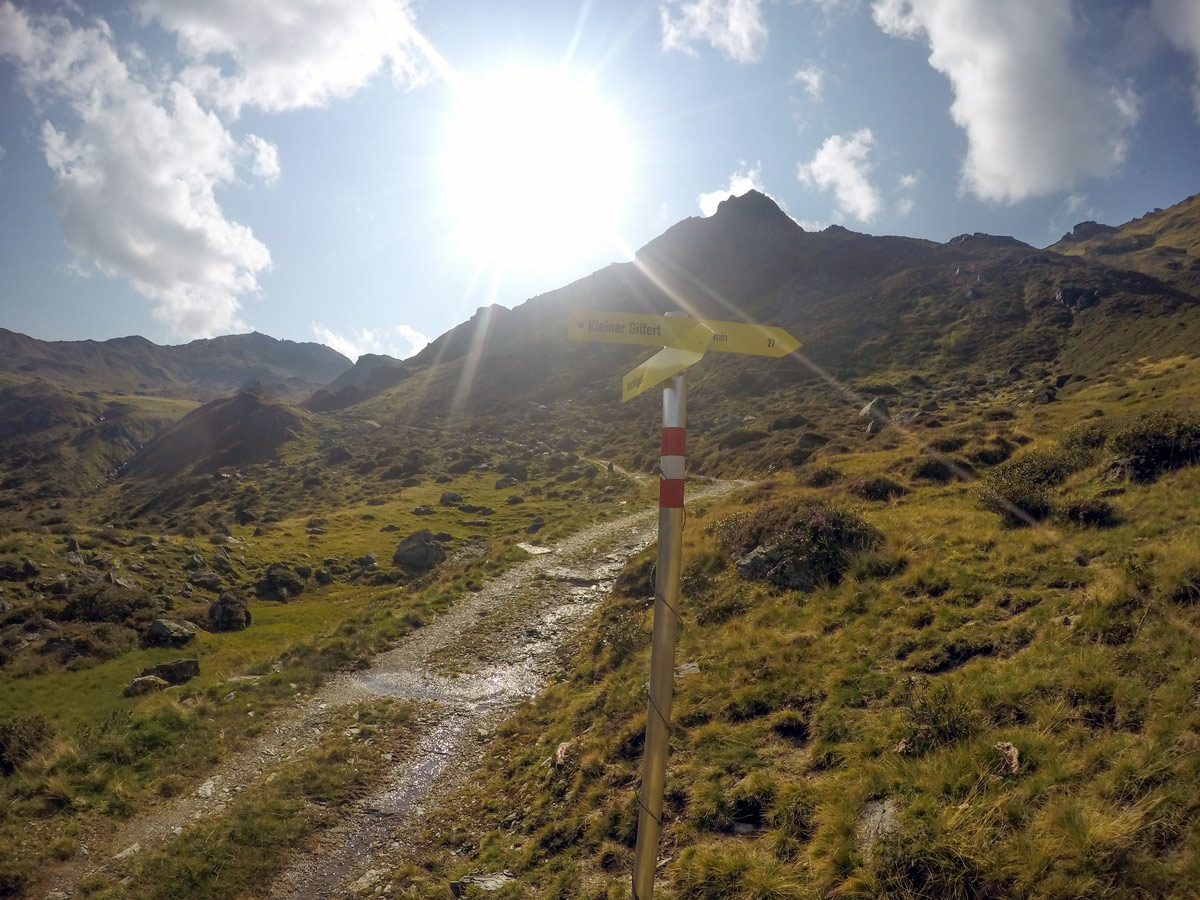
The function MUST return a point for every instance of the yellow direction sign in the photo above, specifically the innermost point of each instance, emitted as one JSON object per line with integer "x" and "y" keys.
{"x": 690, "y": 348}
{"x": 663, "y": 331}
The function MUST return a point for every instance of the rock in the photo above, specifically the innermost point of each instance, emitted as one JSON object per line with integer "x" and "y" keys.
{"x": 536, "y": 525}
{"x": 514, "y": 499}
{"x": 279, "y": 583}
{"x": 167, "y": 633}
{"x": 875, "y": 426}
{"x": 442, "y": 479}
{"x": 877, "y": 820}
{"x": 449, "y": 498}
{"x": 514, "y": 469}
{"x": 303, "y": 571}
{"x": 144, "y": 684}
{"x": 490, "y": 882}
{"x": 14, "y": 571}
{"x": 419, "y": 551}
{"x": 229, "y": 612}
{"x": 366, "y": 561}
{"x": 876, "y": 410}
{"x": 205, "y": 578}
{"x": 1061, "y": 381}
{"x": 177, "y": 671}
{"x": 207, "y": 790}
{"x": 423, "y": 511}
{"x": 1011, "y": 756}
{"x": 323, "y": 576}
{"x": 129, "y": 851}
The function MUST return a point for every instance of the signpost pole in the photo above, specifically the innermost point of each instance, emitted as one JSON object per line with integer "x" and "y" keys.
{"x": 666, "y": 622}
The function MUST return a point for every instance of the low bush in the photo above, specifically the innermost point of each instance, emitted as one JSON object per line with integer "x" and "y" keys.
{"x": 799, "y": 548}
{"x": 1018, "y": 491}
{"x": 937, "y": 716}
{"x": 1156, "y": 443}
{"x": 740, "y": 437}
{"x": 113, "y": 603}
{"x": 880, "y": 488}
{"x": 19, "y": 740}
{"x": 820, "y": 476}
{"x": 1091, "y": 511}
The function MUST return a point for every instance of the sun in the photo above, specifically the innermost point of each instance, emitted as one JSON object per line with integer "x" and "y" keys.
{"x": 536, "y": 168}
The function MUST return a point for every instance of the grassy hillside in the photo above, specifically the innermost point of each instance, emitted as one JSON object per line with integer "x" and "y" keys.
{"x": 966, "y": 705}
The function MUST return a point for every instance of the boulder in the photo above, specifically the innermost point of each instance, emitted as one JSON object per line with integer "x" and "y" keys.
{"x": 420, "y": 550}
{"x": 177, "y": 671}
{"x": 423, "y": 511}
{"x": 279, "y": 583}
{"x": 144, "y": 684}
{"x": 167, "y": 633}
{"x": 365, "y": 561}
{"x": 205, "y": 578}
{"x": 229, "y": 612}
{"x": 536, "y": 525}
{"x": 449, "y": 498}
{"x": 17, "y": 571}
{"x": 876, "y": 410}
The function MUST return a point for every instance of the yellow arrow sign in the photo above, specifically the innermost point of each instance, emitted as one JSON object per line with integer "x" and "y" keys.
{"x": 668, "y": 361}
{"x": 663, "y": 331}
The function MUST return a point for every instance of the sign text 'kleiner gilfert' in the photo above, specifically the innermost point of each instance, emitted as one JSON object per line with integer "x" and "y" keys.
{"x": 599, "y": 326}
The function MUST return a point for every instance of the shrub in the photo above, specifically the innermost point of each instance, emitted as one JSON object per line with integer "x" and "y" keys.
{"x": 19, "y": 740}
{"x": 1091, "y": 511}
{"x": 799, "y": 548}
{"x": 1085, "y": 436}
{"x": 948, "y": 444}
{"x": 1156, "y": 443}
{"x": 932, "y": 469}
{"x": 1018, "y": 490}
{"x": 113, "y": 603}
{"x": 820, "y": 476}
{"x": 879, "y": 488}
{"x": 936, "y": 717}
{"x": 914, "y": 862}
{"x": 741, "y": 436}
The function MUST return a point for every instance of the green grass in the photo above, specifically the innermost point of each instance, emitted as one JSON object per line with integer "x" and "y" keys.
{"x": 1076, "y": 645}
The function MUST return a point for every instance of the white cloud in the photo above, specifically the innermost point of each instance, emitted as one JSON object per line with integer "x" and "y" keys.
{"x": 1180, "y": 23}
{"x": 813, "y": 79}
{"x": 1034, "y": 124}
{"x": 735, "y": 28}
{"x": 400, "y": 341}
{"x": 265, "y": 158}
{"x": 135, "y": 167}
{"x": 740, "y": 182}
{"x": 905, "y": 185}
{"x": 843, "y": 164}
{"x": 288, "y": 54}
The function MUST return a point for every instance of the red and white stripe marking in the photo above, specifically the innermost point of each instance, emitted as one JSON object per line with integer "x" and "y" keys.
{"x": 670, "y": 485}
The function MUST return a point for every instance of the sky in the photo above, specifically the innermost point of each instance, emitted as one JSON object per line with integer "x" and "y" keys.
{"x": 368, "y": 173}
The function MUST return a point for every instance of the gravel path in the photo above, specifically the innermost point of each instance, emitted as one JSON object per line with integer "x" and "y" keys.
{"x": 469, "y": 669}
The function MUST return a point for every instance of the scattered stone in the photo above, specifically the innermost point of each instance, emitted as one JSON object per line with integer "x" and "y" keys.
{"x": 1011, "y": 756}
{"x": 13, "y": 571}
{"x": 876, "y": 410}
{"x": 279, "y": 583}
{"x": 450, "y": 498}
{"x": 230, "y": 612}
{"x": 515, "y": 499}
{"x": 389, "y": 528}
{"x": 423, "y": 511}
{"x": 489, "y": 882}
{"x": 366, "y": 561}
{"x": 877, "y": 820}
{"x": 128, "y": 851}
{"x": 168, "y": 633}
{"x": 420, "y": 550}
{"x": 323, "y": 576}
{"x": 303, "y": 571}
{"x": 207, "y": 790}
{"x": 443, "y": 536}
{"x": 206, "y": 579}
{"x": 536, "y": 525}
{"x": 144, "y": 684}
{"x": 177, "y": 671}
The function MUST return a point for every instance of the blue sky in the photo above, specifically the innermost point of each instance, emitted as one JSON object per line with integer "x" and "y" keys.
{"x": 370, "y": 173}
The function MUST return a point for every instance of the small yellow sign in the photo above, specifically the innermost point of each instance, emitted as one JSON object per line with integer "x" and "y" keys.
{"x": 668, "y": 361}
{"x": 664, "y": 331}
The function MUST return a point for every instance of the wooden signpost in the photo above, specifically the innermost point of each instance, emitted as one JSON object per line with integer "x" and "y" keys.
{"x": 684, "y": 341}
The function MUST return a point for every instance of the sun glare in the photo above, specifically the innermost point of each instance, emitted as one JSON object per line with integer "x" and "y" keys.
{"x": 537, "y": 168}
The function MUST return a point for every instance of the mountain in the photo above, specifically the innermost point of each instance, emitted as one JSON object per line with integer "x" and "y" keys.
{"x": 368, "y": 376}
{"x": 946, "y": 645}
{"x": 1164, "y": 243}
{"x": 199, "y": 370}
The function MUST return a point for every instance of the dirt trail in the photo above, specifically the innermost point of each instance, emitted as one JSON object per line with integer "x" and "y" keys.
{"x": 469, "y": 668}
